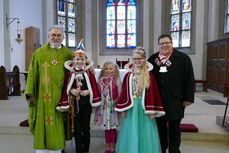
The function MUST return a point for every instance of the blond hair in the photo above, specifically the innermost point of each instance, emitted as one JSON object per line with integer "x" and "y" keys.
{"x": 144, "y": 79}
{"x": 116, "y": 74}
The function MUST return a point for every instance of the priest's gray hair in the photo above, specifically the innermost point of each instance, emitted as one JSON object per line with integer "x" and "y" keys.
{"x": 56, "y": 27}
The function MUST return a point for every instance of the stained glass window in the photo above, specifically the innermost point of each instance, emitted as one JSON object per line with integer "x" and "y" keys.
{"x": 66, "y": 17}
{"x": 226, "y": 28}
{"x": 180, "y": 22}
{"x": 121, "y": 24}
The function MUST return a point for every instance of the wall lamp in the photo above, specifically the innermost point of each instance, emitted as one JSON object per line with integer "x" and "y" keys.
{"x": 11, "y": 20}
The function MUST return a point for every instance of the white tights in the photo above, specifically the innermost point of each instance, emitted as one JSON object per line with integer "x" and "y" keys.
{"x": 48, "y": 151}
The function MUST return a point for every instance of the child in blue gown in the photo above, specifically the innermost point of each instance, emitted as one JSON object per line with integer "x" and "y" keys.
{"x": 139, "y": 103}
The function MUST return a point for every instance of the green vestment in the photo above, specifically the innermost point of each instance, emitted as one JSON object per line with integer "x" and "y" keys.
{"x": 45, "y": 81}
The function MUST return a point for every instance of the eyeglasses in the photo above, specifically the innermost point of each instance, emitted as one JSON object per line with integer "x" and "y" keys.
{"x": 55, "y": 35}
{"x": 137, "y": 59}
{"x": 165, "y": 43}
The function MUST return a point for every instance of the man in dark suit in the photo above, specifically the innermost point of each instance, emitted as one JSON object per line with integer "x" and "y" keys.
{"x": 174, "y": 74}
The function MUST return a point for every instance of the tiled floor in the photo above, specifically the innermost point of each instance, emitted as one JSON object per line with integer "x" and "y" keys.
{"x": 211, "y": 137}
{"x": 203, "y": 114}
{"x": 23, "y": 144}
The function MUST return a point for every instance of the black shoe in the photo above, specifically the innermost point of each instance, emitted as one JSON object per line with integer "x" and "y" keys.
{"x": 62, "y": 151}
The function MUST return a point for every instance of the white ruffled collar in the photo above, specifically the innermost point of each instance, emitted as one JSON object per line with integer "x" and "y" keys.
{"x": 129, "y": 66}
{"x": 69, "y": 65}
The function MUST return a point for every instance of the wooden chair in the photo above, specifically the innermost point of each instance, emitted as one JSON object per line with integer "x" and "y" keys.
{"x": 204, "y": 84}
{"x": 121, "y": 64}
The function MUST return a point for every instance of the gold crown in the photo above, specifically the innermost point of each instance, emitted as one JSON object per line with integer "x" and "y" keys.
{"x": 139, "y": 49}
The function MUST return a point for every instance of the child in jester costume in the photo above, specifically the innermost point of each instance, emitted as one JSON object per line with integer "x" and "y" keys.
{"x": 80, "y": 94}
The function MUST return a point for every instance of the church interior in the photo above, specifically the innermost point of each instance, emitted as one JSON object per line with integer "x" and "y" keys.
{"x": 199, "y": 28}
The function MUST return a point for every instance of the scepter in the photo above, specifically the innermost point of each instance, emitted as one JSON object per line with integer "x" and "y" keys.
{"x": 75, "y": 105}
{"x": 79, "y": 84}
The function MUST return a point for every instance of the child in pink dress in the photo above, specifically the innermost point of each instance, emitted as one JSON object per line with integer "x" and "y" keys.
{"x": 108, "y": 83}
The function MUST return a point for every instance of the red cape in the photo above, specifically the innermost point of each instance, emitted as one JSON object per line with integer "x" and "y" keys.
{"x": 151, "y": 100}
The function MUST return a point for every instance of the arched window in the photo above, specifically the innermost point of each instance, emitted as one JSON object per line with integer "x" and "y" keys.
{"x": 66, "y": 17}
{"x": 121, "y": 24}
{"x": 226, "y": 27}
{"x": 180, "y": 22}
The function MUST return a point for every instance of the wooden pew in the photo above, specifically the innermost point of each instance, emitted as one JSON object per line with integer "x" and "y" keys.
{"x": 14, "y": 86}
{"x": 3, "y": 88}
{"x": 9, "y": 83}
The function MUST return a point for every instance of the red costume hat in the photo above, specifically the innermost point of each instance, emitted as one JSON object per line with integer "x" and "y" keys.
{"x": 80, "y": 49}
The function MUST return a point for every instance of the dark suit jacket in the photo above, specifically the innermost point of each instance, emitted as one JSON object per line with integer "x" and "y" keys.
{"x": 176, "y": 85}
